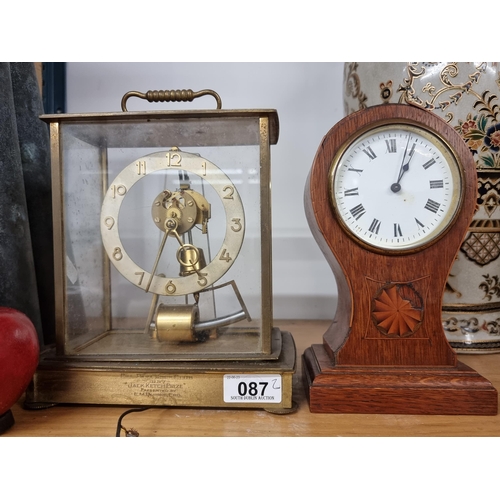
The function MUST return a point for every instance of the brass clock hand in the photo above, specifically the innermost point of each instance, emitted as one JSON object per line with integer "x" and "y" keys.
{"x": 170, "y": 225}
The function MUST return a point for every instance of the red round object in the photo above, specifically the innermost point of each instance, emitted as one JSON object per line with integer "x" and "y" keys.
{"x": 19, "y": 351}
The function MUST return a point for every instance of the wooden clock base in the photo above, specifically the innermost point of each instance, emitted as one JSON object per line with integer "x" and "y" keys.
{"x": 420, "y": 390}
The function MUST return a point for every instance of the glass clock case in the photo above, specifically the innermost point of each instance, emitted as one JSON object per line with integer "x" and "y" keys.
{"x": 162, "y": 234}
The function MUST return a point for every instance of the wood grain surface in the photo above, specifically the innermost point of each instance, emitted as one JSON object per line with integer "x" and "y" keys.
{"x": 362, "y": 272}
{"x": 102, "y": 420}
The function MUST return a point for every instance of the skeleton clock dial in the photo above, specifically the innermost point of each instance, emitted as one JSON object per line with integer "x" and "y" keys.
{"x": 176, "y": 213}
{"x": 389, "y": 199}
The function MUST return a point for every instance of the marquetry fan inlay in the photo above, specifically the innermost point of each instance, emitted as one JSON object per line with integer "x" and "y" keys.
{"x": 397, "y": 311}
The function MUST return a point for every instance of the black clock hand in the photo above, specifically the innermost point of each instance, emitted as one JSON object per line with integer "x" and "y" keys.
{"x": 397, "y": 186}
{"x": 404, "y": 168}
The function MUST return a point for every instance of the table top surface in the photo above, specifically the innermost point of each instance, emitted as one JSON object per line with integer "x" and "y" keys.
{"x": 99, "y": 421}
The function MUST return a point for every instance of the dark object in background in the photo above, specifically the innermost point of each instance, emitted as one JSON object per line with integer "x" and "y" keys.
{"x": 26, "y": 248}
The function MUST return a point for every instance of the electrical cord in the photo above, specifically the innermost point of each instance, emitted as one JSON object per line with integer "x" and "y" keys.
{"x": 128, "y": 432}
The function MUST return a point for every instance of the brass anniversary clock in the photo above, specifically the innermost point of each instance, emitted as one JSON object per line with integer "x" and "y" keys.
{"x": 389, "y": 199}
{"x": 163, "y": 260}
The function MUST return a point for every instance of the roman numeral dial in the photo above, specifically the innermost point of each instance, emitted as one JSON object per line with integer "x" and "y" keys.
{"x": 395, "y": 187}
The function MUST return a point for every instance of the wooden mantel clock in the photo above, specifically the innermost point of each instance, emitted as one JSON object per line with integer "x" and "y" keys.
{"x": 389, "y": 198}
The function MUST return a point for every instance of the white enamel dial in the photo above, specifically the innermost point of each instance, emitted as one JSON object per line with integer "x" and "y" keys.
{"x": 396, "y": 187}
{"x": 173, "y": 213}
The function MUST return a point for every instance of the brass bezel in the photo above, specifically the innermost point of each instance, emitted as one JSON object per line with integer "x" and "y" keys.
{"x": 449, "y": 154}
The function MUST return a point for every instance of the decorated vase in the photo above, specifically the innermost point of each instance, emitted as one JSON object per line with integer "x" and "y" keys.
{"x": 467, "y": 96}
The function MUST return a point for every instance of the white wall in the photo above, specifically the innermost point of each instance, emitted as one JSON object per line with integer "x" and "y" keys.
{"x": 308, "y": 98}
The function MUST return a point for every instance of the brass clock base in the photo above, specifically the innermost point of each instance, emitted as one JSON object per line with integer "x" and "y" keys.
{"x": 193, "y": 383}
{"x": 415, "y": 390}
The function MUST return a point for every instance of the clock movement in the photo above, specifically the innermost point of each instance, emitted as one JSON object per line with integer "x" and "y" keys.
{"x": 162, "y": 224}
{"x": 389, "y": 198}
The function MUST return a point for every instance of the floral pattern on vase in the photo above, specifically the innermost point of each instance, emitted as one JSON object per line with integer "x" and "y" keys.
{"x": 467, "y": 96}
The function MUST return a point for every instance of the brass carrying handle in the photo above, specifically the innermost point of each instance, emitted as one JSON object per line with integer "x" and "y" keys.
{"x": 170, "y": 96}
